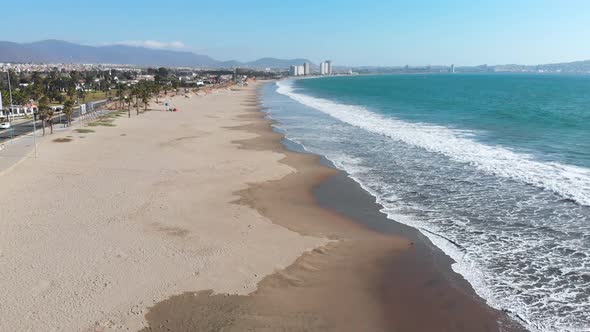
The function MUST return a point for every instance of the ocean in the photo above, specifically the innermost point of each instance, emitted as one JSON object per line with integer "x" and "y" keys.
{"x": 493, "y": 168}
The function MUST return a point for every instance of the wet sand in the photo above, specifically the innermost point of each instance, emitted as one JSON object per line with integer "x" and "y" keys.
{"x": 374, "y": 275}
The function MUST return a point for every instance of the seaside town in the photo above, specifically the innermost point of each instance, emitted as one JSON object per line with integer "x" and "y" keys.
{"x": 46, "y": 90}
{"x": 43, "y": 91}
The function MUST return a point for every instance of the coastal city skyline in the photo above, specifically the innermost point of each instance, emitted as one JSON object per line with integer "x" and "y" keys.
{"x": 55, "y": 54}
{"x": 394, "y": 33}
{"x": 324, "y": 69}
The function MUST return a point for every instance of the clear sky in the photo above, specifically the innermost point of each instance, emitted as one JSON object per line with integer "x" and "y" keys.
{"x": 369, "y": 32}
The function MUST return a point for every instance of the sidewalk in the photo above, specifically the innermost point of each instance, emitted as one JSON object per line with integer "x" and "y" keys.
{"x": 14, "y": 151}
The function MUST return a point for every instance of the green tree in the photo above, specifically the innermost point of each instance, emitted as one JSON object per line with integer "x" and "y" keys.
{"x": 175, "y": 83}
{"x": 49, "y": 118}
{"x": 156, "y": 88}
{"x": 135, "y": 93}
{"x": 81, "y": 95}
{"x": 120, "y": 93}
{"x": 19, "y": 97}
{"x": 36, "y": 91}
{"x": 161, "y": 75}
{"x": 105, "y": 87}
{"x": 43, "y": 111}
{"x": 68, "y": 110}
{"x": 146, "y": 93}
{"x": 128, "y": 99}
{"x": 60, "y": 98}
{"x": 71, "y": 89}
{"x": 5, "y": 98}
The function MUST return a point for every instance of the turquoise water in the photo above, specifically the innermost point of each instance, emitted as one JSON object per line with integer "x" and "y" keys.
{"x": 547, "y": 115}
{"x": 499, "y": 164}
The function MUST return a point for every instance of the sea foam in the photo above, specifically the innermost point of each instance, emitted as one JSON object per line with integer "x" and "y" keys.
{"x": 571, "y": 182}
{"x": 502, "y": 255}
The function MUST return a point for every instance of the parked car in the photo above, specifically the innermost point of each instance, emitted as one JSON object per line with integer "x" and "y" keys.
{"x": 5, "y": 125}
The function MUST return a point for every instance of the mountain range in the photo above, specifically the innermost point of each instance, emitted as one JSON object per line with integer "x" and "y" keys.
{"x": 58, "y": 51}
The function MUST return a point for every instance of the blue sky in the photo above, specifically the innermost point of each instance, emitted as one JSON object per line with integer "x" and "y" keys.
{"x": 369, "y": 32}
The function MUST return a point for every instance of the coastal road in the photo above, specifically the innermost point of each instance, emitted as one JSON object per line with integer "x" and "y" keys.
{"x": 26, "y": 127}
{"x": 18, "y": 129}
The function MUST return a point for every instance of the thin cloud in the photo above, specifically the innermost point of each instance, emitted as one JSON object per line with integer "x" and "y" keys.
{"x": 154, "y": 44}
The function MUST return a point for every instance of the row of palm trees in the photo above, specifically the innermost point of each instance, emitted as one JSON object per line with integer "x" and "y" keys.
{"x": 46, "y": 113}
{"x": 142, "y": 92}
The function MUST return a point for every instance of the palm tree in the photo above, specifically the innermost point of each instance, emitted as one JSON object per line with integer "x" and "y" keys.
{"x": 36, "y": 91}
{"x": 43, "y": 111}
{"x": 135, "y": 92}
{"x": 156, "y": 88}
{"x": 49, "y": 118}
{"x": 81, "y": 94}
{"x": 120, "y": 93}
{"x": 68, "y": 108}
{"x": 146, "y": 95}
{"x": 105, "y": 87}
{"x": 71, "y": 89}
{"x": 128, "y": 99}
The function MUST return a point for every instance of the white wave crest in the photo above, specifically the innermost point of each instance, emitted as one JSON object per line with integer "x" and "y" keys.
{"x": 571, "y": 182}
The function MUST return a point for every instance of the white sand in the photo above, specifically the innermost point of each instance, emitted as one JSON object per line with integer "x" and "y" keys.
{"x": 96, "y": 230}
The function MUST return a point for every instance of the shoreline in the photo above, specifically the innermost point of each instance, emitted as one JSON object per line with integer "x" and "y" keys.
{"x": 209, "y": 219}
{"x": 376, "y": 274}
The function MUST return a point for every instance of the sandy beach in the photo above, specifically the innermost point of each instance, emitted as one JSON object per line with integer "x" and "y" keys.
{"x": 95, "y": 230}
{"x": 200, "y": 220}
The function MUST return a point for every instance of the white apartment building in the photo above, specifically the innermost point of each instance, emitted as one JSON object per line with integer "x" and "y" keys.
{"x": 297, "y": 70}
{"x": 326, "y": 68}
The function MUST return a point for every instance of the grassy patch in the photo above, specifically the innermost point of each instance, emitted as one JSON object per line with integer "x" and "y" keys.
{"x": 101, "y": 123}
{"x": 95, "y": 95}
{"x": 62, "y": 140}
{"x": 84, "y": 131}
{"x": 106, "y": 120}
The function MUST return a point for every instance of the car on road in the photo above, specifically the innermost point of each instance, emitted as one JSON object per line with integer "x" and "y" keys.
{"x": 5, "y": 125}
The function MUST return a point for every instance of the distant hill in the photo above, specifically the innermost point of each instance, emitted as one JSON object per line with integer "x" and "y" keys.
{"x": 57, "y": 51}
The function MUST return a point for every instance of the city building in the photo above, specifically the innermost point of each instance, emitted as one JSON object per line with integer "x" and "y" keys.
{"x": 326, "y": 68}
{"x": 297, "y": 70}
{"x": 306, "y": 69}
{"x": 14, "y": 111}
{"x": 452, "y": 70}
{"x": 300, "y": 70}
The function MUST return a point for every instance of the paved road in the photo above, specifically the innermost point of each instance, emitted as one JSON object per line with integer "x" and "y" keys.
{"x": 24, "y": 128}
{"x": 17, "y": 130}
